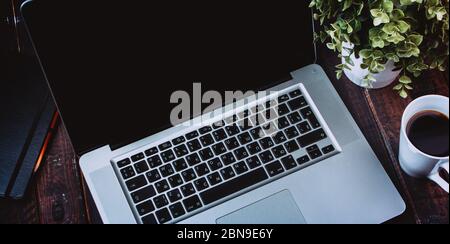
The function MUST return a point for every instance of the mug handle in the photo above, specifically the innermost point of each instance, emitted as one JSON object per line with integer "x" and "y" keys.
{"x": 438, "y": 179}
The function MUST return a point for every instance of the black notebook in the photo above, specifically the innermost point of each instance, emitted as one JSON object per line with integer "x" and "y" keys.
{"x": 26, "y": 110}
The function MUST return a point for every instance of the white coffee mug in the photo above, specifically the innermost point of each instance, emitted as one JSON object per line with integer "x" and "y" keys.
{"x": 413, "y": 161}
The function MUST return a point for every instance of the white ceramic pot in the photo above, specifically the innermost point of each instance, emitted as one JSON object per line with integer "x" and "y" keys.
{"x": 356, "y": 74}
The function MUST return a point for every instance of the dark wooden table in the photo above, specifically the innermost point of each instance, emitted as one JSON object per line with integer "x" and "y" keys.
{"x": 59, "y": 195}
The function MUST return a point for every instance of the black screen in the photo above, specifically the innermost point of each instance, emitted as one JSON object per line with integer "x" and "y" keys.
{"x": 113, "y": 65}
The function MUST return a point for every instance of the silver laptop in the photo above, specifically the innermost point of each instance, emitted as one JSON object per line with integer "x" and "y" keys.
{"x": 207, "y": 113}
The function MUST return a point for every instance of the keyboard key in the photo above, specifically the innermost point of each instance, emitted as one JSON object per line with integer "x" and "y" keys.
{"x": 270, "y": 114}
{"x": 167, "y": 156}
{"x": 154, "y": 161}
{"x": 207, "y": 140}
{"x": 245, "y": 124}
{"x": 178, "y": 140}
{"x": 232, "y": 130}
{"x": 315, "y": 154}
{"x": 149, "y": 220}
{"x": 194, "y": 145}
{"x": 219, "y": 149}
{"x": 162, "y": 186}
{"x": 283, "y": 110}
{"x": 145, "y": 208}
{"x": 192, "y": 135}
{"x": 288, "y": 162}
{"x": 181, "y": 151}
{"x": 193, "y": 203}
{"x": 174, "y": 195}
{"x": 253, "y": 162}
{"x": 308, "y": 114}
{"x": 328, "y": 149}
{"x": 257, "y": 133}
{"x": 201, "y": 184}
{"x": 152, "y": 151}
{"x": 188, "y": 175}
{"x": 202, "y": 169}
{"x": 180, "y": 164}
{"x": 312, "y": 137}
{"x": 166, "y": 170}
{"x": 214, "y": 178}
{"x": 312, "y": 148}
{"x": 240, "y": 167}
{"x": 304, "y": 127}
{"x": 294, "y": 118}
{"x": 279, "y": 151}
{"x": 291, "y": 146}
{"x": 283, "y": 98}
{"x": 283, "y": 123}
{"x": 314, "y": 122}
{"x": 136, "y": 183}
{"x": 274, "y": 168}
{"x": 279, "y": 138}
{"x": 227, "y": 173}
{"x": 291, "y": 132}
{"x": 303, "y": 160}
{"x": 270, "y": 128}
{"x": 215, "y": 164}
{"x": 177, "y": 210}
{"x": 187, "y": 190}
{"x": 244, "y": 138}
{"x": 241, "y": 153}
{"x": 137, "y": 157}
{"x": 163, "y": 216}
{"x": 266, "y": 157}
{"x": 218, "y": 124}
{"x": 235, "y": 185}
{"x": 232, "y": 143}
{"x": 297, "y": 103}
{"x": 165, "y": 146}
{"x": 254, "y": 148}
{"x": 175, "y": 180}
{"x": 143, "y": 194}
{"x": 219, "y": 135}
{"x": 123, "y": 163}
{"x": 141, "y": 167}
{"x": 193, "y": 159}
{"x": 206, "y": 154}
{"x": 228, "y": 158}
{"x": 127, "y": 172}
{"x": 153, "y": 176}
{"x": 266, "y": 143}
{"x": 205, "y": 130}
{"x": 295, "y": 93}
{"x": 160, "y": 201}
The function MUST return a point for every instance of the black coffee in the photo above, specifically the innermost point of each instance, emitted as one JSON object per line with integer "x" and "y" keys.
{"x": 428, "y": 131}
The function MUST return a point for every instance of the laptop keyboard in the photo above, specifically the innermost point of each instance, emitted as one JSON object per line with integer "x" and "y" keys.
{"x": 193, "y": 172}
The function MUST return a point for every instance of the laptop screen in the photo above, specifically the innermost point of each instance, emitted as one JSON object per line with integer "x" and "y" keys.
{"x": 114, "y": 65}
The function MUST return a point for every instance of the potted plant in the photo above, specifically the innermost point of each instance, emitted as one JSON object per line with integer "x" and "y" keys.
{"x": 380, "y": 40}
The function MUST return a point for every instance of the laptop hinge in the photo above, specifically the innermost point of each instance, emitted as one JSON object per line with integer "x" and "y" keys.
{"x": 115, "y": 146}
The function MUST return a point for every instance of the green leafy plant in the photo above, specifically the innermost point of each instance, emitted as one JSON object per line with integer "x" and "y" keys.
{"x": 411, "y": 33}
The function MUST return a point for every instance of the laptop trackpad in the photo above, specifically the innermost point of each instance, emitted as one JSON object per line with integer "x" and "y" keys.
{"x": 280, "y": 208}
